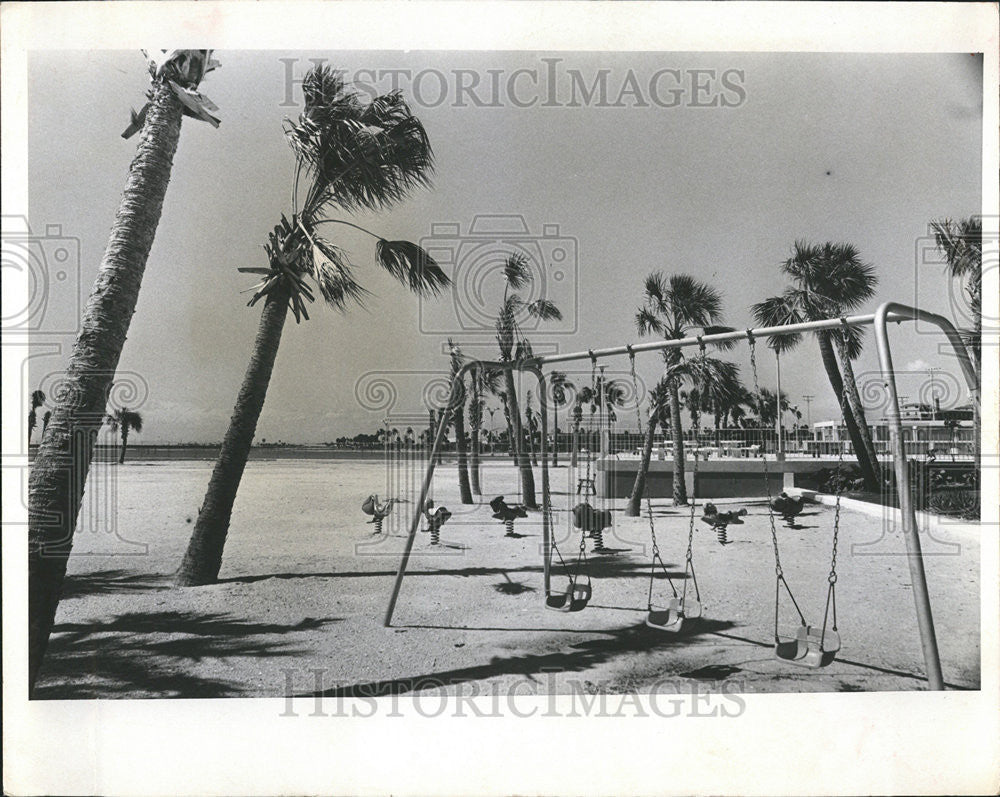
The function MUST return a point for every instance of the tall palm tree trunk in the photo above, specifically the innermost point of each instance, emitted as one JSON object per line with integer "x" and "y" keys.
{"x": 680, "y": 488}
{"x": 639, "y": 488}
{"x": 859, "y": 415}
{"x": 474, "y": 463}
{"x": 203, "y": 557}
{"x": 60, "y": 469}
{"x": 531, "y": 445}
{"x": 872, "y": 483}
{"x": 520, "y": 455}
{"x": 121, "y": 458}
{"x": 462, "y": 455}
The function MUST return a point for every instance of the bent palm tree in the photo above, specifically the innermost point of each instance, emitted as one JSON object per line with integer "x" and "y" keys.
{"x": 677, "y": 307}
{"x": 37, "y": 400}
{"x": 124, "y": 420}
{"x": 356, "y": 156}
{"x": 657, "y": 403}
{"x": 829, "y": 280}
{"x": 60, "y": 470}
{"x": 515, "y": 346}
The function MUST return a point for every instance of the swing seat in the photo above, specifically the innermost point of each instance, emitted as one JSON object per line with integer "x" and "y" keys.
{"x": 672, "y": 618}
{"x": 809, "y": 648}
{"x": 573, "y": 599}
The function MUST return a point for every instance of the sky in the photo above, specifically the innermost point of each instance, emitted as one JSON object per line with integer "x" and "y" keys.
{"x": 707, "y": 164}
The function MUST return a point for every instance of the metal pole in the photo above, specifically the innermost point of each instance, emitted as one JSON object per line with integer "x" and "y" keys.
{"x": 546, "y": 508}
{"x": 424, "y": 490}
{"x": 777, "y": 401}
{"x": 908, "y": 517}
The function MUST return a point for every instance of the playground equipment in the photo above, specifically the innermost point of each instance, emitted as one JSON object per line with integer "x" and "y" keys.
{"x": 435, "y": 520}
{"x": 585, "y": 517}
{"x": 578, "y": 590}
{"x": 507, "y": 513}
{"x": 720, "y": 521}
{"x": 788, "y": 507}
{"x": 889, "y": 311}
{"x": 809, "y": 646}
{"x": 681, "y": 607}
{"x": 378, "y": 512}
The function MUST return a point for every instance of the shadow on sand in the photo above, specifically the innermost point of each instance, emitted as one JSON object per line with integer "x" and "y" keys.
{"x": 150, "y": 653}
{"x": 577, "y": 657}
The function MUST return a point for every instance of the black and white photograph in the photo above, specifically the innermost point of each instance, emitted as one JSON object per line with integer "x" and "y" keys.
{"x": 612, "y": 385}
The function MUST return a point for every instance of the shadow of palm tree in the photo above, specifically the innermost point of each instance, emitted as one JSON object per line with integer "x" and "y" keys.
{"x": 109, "y": 582}
{"x": 575, "y": 658}
{"x": 146, "y": 654}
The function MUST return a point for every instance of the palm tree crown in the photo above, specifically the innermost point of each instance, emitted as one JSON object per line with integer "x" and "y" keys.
{"x": 354, "y": 156}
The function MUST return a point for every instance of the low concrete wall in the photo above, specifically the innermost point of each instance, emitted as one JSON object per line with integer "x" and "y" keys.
{"x": 715, "y": 479}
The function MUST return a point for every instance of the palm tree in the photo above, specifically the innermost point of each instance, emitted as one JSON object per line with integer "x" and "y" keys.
{"x": 60, "y": 469}
{"x": 658, "y": 401}
{"x": 37, "y": 400}
{"x": 45, "y": 421}
{"x": 456, "y": 415}
{"x": 124, "y": 420}
{"x": 531, "y": 421}
{"x": 354, "y": 156}
{"x": 676, "y": 307}
{"x": 484, "y": 380}
{"x": 961, "y": 242}
{"x": 962, "y": 245}
{"x": 515, "y": 346}
{"x": 561, "y": 388}
{"x": 828, "y": 281}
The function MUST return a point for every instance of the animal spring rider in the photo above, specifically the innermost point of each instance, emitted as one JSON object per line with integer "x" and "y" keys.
{"x": 506, "y": 513}
{"x": 788, "y": 507}
{"x": 720, "y": 520}
{"x": 378, "y": 512}
{"x": 435, "y": 520}
{"x": 593, "y": 522}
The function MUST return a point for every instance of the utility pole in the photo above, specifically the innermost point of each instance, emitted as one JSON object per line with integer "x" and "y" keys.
{"x": 934, "y": 399}
{"x": 809, "y": 417}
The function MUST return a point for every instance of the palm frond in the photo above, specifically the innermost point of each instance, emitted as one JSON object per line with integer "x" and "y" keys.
{"x": 516, "y": 270}
{"x": 544, "y": 310}
{"x": 412, "y": 266}
{"x": 334, "y": 275}
{"x": 647, "y": 322}
{"x": 778, "y": 311}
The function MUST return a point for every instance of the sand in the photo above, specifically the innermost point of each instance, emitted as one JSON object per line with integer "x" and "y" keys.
{"x": 304, "y": 586}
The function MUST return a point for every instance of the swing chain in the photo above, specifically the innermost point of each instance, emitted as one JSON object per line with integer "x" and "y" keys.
{"x": 696, "y": 433}
{"x": 638, "y": 420}
{"x": 778, "y": 572}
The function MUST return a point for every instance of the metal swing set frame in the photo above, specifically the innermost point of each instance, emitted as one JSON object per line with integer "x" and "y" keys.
{"x": 879, "y": 320}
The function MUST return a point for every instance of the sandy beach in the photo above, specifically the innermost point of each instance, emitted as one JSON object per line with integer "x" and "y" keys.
{"x": 305, "y": 583}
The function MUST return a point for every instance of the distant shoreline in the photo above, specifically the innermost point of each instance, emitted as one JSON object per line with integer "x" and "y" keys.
{"x": 141, "y": 453}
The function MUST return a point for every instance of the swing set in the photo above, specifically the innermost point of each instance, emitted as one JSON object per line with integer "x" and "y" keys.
{"x": 808, "y": 645}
